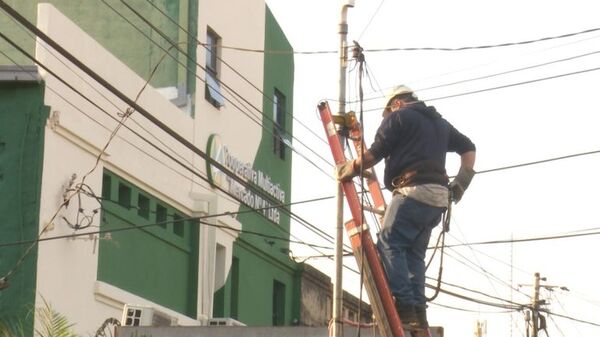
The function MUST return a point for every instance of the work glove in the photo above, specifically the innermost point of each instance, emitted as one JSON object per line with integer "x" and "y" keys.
{"x": 461, "y": 182}
{"x": 346, "y": 171}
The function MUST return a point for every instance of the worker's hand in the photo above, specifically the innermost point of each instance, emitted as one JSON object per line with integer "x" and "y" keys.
{"x": 346, "y": 171}
{"x": 461, "y": 182}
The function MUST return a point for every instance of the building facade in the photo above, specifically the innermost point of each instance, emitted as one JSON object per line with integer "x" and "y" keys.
{"x": 169, "y": 206}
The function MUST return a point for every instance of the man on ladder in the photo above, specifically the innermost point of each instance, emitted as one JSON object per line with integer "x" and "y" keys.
{"x": 414, "y": 139}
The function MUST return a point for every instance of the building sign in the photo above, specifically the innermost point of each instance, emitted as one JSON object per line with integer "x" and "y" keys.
{"x": 219, "y": 152}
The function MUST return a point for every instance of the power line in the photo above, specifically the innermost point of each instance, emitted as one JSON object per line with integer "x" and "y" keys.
{"x": 506, "y": 44}
{"x": 509, "y": 71}
{"x": 371, "y": 19}
{"x": 543, "y": 238}
{"x": 503, "y": 86}
{"x": 496, "y": 74}
{"x": 469, "y": 310}
{"x": 297, "y": 218}
{"x": 131, "y": 103}
{"x": 234, "y": 93}
{"x": 539, "y": 161}
{"x": 470, "y": 299}
{"x": 515, "y": 84}
{"x": 477, "y": 292}
{"x": 499, "y": 45}
{"x": 144, "y": 113}
{"x": 569, "y": 318}
{"x": 269, "y": 98}
{"x": 133, "y": 226}
{"x": 121, "y": 96}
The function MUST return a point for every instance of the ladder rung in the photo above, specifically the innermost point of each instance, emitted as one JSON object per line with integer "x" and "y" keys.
{"x": 373, "y": 210}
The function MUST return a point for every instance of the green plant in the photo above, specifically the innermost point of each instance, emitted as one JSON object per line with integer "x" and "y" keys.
{"x": 52, "y": 323}
{"x": 49, "y": 322}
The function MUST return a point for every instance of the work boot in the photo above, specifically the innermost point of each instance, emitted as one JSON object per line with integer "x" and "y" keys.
{"x": 408, "y": 316}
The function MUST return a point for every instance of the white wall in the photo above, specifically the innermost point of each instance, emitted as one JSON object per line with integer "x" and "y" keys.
{"x": 66, "y": 275}
{"x": 239, "y": 23}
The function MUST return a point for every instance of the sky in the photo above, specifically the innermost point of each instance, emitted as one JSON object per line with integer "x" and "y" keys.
{"x": 528, "y": 119}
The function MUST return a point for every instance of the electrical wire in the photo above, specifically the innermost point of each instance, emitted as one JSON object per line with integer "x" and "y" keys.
{"x": 510, "y": 71}
{"x": 469, "y": 310}
{"x": 514, "y": 84}
{"x": 138, "y": 108}
{"x": 479, "y": 269}
{"x": 371, "y": 20}
{"x": 122, "y": 97}
{"x": 162, "y": 223}
{"x": 234, "y": 93}
{"x": 113, "y": 105}
{"x": 475, "y": 261}
{"x": 446, "y": 49}
{"x": 477, "y": 292}
{"x": 505, "y": 44}
{"x": 502, "y": 86}
{"x": 570, "y": 318}
{"x": 541, "y": 238}
{"x": 67, "y": 198}
{"x": 478, "y": 301}
{"x": 64, "y": 82}
{"x": 495, "y": 74}
{"x": 269, "y": 98}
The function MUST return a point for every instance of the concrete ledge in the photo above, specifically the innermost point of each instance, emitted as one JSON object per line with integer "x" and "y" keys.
{"x": 19, "y": 73}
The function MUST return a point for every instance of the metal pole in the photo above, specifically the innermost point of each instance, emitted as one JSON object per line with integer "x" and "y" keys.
{"x": 339, "y": 237}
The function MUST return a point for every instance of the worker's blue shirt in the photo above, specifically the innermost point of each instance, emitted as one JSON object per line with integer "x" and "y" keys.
{"x": 414, "y": 134}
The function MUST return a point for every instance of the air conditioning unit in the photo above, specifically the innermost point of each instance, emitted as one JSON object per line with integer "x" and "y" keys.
{"x": 139, "y": 315}
{"x": 224, "y": 321}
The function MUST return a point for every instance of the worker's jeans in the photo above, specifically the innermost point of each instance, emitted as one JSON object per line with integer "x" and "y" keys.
{"x": 402, "y": 245}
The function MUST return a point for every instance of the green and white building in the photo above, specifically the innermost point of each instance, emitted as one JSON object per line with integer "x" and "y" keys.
{"x": 143, "y": 225}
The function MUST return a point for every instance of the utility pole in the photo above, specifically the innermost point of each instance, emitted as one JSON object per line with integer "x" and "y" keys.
{"x": 535, "y": 305}
{"x": 538, "y": 322}
{"x": 339, "y": 237}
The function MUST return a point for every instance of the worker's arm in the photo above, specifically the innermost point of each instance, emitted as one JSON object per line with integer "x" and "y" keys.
{"x": 351, "y": 168}
{"x": 467, "y": 160}
{"x": 461, "y": 182}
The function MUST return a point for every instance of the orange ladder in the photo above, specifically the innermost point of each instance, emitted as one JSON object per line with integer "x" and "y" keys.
{"x": 376, "y": 285}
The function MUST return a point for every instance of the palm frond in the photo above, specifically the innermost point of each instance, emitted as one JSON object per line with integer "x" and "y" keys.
{"x": 52, "y": 323}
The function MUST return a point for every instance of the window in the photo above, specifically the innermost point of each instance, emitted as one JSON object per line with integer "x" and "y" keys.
{"x": 124, "y": 195}
{"x": 161, "y": 216}
{"x": 279, "y": 124}
{"x": 212, "y": 91}
{"x": 235, "y": 283}
{"x": 278, "y": 303}
{"x": 143, "y": 206}
{"x": 178, "y": 225}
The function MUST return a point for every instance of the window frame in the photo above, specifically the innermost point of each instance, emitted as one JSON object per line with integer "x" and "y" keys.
{"x": 279, "y": 108}
{"x": 212, "y": 89}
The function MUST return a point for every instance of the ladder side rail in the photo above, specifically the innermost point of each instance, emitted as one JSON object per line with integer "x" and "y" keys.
{"x": 378, "y": 310}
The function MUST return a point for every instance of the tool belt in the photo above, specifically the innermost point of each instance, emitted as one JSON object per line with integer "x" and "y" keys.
{"x": 423, "y": 172}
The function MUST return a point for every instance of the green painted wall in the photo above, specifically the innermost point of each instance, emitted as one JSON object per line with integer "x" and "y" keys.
{"x": 22, "y": 119}
{"x": 263, "y": 261}
{"x": 129, "y": 41}
{"x": 158, "y": 262}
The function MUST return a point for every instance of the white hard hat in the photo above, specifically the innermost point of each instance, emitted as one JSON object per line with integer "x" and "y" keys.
{"x": 396, "y": 91}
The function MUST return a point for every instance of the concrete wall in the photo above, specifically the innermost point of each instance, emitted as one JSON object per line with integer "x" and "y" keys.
{"x": 316, "y": 299}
